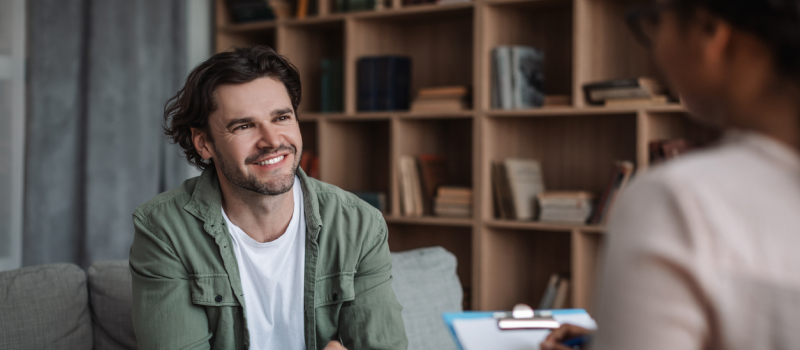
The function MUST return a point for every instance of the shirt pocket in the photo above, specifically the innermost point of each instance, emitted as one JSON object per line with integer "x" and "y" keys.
{"x": 334, "y": 289}
{"x": 212, "y": 290}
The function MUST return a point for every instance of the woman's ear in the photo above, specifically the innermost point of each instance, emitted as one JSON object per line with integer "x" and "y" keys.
{"x": 202, "y": 144}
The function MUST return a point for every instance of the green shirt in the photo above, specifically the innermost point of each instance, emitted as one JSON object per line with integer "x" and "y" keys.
{"x": 187, "y": 292}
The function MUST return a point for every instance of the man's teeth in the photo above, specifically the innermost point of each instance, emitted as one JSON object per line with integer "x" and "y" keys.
{"x": 272, "y": 161}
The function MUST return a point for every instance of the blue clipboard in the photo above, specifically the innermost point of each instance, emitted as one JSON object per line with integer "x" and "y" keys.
{"x": 449, "y": 317}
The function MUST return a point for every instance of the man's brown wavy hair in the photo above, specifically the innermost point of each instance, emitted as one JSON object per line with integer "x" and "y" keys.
{"x": 193, "y": 104}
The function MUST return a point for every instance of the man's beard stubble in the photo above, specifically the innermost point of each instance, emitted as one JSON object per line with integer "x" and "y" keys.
{"x": 280, "y": 185}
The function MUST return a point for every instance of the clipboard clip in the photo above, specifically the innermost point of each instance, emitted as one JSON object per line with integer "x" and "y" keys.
{"x": 524, "y": 317}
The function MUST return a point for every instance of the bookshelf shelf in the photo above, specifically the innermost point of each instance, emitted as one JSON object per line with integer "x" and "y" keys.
{"x": 543, "y": 226}
{"x": 429, "y": 220}
{"x": 500, "y": 262}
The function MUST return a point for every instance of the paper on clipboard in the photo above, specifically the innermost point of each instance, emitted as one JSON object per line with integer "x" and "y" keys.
{"x": 483, "y": 333}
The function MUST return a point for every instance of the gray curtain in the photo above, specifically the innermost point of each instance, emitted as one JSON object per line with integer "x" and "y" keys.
{"x": 99, "y": 73}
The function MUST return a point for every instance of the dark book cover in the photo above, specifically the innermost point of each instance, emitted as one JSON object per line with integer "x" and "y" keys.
{"x": 394, "y": 83}
{"x": 332, "y": 81}
{"x": 433, "y": 173}
{"x": 249, "y": 10}
{"x": 366, "y": 72}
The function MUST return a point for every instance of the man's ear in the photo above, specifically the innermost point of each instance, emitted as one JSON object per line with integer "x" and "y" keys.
{"x": 202, "y": 144}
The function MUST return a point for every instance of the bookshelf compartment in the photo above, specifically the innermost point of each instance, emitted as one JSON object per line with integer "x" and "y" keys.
{"x": 605, "y": 47}
{"x": 355, "y": 156}
{"x": 544, "y": 25}
{"x": 657, "y": 126}
{"x": 439, "y": 45}
{"x": 457, "y": 240}
{"x": 518, "y": 264}
{"x": 575, "y": 152}
{"x": 307, "y": 46}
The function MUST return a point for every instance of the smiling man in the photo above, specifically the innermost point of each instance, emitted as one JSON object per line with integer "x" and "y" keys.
{"x": 253, "y": 254}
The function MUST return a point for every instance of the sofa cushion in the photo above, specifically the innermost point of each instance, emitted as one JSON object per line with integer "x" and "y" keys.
{"x": 426, "y": 285}
{"x": 45, "y": 307}
{"x": 110, "y": 295}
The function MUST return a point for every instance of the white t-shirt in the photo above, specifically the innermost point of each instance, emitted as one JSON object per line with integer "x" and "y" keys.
{"x": 704, "y": 253}
{"x": 272, "y": 282}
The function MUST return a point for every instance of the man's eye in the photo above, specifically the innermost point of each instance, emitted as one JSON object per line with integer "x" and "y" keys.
{"x": 241, "y": 127}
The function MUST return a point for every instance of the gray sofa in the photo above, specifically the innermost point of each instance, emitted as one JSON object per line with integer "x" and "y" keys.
{"x": 60, "y": 306}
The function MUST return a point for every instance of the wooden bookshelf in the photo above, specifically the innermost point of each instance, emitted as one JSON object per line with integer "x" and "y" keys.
{"x": 501, "y": 262}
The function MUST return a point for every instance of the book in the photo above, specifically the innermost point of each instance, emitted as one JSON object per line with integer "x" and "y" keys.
{"x": 527, "y": 64}
{"x": 447, "y": 2}
{"x": 447, "y": 191}
{"x": 332, "y": 85}
{"x": 439, "y": 105}
{"x": 620, "y": 175}
{"x": 663, "y": 150}
{"x": 383, "y": 83}
{"x": 432, "y": 173}
{"x": 598, "y": 93}
{"x": 410, "y": 189}
{"x": 518, "y": 77}
{"x": 441, "y": 99}
{"x": 375, "y": 199}
{"x": 562, "y": 293}
{"x": 633, "y": 102}
{"x": 502, "y": 89}
{"x": 455, "y": 210}
{"x": 525, "y": 181}
{"x": 573, "y": 207}
{"x": 503, "y": 197}
{"x": 243, "y": 11}
{"x": 550, "y": 292}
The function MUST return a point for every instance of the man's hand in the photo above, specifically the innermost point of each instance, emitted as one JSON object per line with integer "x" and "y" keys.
{"x": 334, "y": 345}
{"x": 567, "y": 331}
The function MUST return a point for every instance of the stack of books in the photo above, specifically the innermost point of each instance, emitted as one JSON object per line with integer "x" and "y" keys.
{"x": 571, "y": 207}
{"x": 625, "y": 92}
{"x": 441, "y": 99}
{"x": 517, "y": 77}
{"x": 453, "y": 201}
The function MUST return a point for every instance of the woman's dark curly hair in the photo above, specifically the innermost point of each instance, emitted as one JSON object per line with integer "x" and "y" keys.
{"x": 193, "y": 104}
{"x": 775, "y": 22}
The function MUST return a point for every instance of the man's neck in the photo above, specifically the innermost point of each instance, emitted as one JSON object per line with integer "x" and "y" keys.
{"x": 264, "y": 218}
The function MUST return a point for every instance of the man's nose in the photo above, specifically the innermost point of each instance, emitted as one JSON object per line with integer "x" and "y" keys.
{"x": 269, "y": 137}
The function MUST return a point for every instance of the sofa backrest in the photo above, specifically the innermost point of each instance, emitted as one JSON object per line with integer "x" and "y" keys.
{"x": 426, "y": 285}
{"x": 110, "y": 293}
{"x": 45, "y": 307}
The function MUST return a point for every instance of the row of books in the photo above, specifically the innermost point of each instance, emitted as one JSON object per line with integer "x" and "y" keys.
{"x": 424, "y": 190}
{"x": 332, "y": 85}
{"x": 383, "y": 83}
{"x": 519, "y": 194}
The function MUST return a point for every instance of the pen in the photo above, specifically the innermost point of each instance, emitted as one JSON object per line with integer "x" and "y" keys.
{"x": 577, "y": 341}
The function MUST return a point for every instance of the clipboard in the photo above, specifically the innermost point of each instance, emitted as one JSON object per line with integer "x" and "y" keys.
{"x": 484, "y": 326}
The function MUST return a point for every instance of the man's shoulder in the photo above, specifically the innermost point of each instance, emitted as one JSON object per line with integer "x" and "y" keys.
{"x": 166, "y": 202}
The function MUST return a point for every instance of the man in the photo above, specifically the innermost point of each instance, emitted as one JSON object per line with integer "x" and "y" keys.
{"x": 253, "y": 253}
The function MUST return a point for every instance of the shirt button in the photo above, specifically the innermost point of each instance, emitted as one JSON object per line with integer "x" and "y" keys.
{"x": 218, "y": 299}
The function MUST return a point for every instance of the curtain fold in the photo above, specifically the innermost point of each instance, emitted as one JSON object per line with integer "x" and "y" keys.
{"x": 99, "y": 74}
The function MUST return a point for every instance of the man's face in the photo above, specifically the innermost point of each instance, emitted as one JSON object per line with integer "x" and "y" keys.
{"x": 256, "y": 137}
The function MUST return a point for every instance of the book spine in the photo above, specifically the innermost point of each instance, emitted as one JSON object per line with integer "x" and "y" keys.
{"x": 366, "y": 84}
